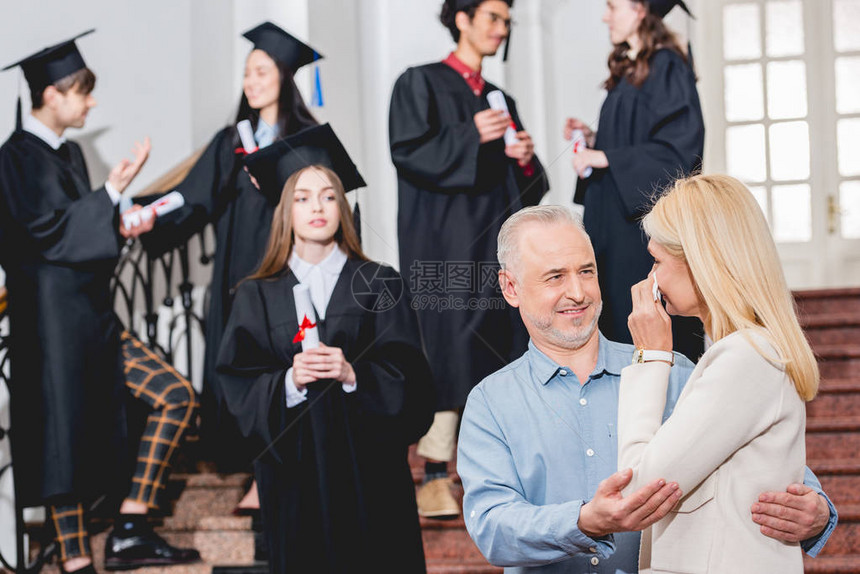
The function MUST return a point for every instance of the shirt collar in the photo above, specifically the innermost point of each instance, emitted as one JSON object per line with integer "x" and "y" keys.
{"x": 332, "y": 264}
{"x": 265, "y": 134}
{"x": 32, "y": 124}
{"x": 611, "y": 358}
{"x": 472, "y": 77}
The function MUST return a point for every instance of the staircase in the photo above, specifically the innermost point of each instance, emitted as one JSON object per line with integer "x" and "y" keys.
{"x": 831, "y": 320}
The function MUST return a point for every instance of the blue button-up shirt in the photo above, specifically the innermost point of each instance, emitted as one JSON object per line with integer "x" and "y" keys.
{"x": 534, "y": 444}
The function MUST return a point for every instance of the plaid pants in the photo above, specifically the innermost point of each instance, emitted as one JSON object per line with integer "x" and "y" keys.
{"x": 173, "y": 402}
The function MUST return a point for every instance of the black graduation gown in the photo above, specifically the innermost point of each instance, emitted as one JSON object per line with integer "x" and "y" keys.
{"x": 335, "y": 486}
{"x": 219, "y": 190}
{"x": 650, "y": 135}
{"x": 60, "y": 245}
{"x": 454, "y": 195}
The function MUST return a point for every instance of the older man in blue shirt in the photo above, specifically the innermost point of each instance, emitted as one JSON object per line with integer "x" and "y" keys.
{"x": 537, "y": 448}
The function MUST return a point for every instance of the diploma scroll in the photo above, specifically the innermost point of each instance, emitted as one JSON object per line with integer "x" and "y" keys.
{"x": 307, "y": 317}
{"x": 163, "y": 206}
{"x": 246, "y": 134}
{"x": 579, "y": 144}
{"x": 497, "y": 102}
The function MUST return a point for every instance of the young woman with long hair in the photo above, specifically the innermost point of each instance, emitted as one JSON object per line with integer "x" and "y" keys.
{"x": 738, "y": 426}
{"x": 330, "y": 425}
{"x": 218, "y": 190}
{"x": 651, "y": 131}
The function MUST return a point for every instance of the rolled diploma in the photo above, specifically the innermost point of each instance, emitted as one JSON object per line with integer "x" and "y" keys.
{"x": 305, "y": 308}
{"x": 246, "y": 134}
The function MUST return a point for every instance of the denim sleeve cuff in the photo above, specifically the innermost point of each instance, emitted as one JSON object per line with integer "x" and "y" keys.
{"x": 574, "y": 541}
{"x": 812, "y": 546}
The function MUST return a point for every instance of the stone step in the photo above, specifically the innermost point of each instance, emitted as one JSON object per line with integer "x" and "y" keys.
{"x": 836, "y": 397}
{"x": 839, "y": 478}
{"x": 845, "y": 564}
{"x": 846, "y": 537}
{"x": 833, "y": 437}
{"x": 826, "y": 301}
{"x": 205, "y": 496}
{"x": 459, "y": 566}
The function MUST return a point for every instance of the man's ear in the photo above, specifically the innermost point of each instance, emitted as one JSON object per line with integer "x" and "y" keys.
{"x": 50, "y": 95}
{"x": 462, "y": 21}
{"x": 508, "y": 284}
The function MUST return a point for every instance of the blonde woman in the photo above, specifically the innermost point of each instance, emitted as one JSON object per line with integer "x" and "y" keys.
{"x": 738, "y": 426}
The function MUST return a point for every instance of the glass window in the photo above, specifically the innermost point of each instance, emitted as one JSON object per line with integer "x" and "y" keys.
{"x": 846, "y": 25}
{"x": 784, "y": 28}
{"x": 848, "y": 84}
{"x": 789, "y": 151}
{"x": 792, "y": 213}
{"x": 760, "y": 194}
{"x": 744, "y": 93}
{"x": 848, "y": 140}
{"x": 741, "y": 32}
{"x": 786, "y": 90}
{"x": 849, "y": 203}
{"x": 745, "y": 157}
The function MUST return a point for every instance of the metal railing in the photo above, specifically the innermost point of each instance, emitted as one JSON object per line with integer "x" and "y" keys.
{"x": 140, "y": 286}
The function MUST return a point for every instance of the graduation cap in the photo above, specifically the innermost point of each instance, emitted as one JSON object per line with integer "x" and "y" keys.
{"x": 282, "y": 46}
{"x": 459, "y": 5}
{"x": 318, "y": 145}
{"x": 662, "y": 7}
{"x": 49, "y": 65}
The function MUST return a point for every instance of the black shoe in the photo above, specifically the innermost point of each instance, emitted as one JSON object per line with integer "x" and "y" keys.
{"x": 144, "y": 549}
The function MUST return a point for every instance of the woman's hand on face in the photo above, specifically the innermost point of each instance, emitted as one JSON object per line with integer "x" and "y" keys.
{"x": 589, "y": 158}
{"x": 324, "y": 362}
{"x": 649, "y": 324}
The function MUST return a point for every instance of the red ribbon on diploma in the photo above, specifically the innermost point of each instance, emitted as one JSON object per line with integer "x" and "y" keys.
{"x": 242, "y": 151}
{"x": 306, "y": 324}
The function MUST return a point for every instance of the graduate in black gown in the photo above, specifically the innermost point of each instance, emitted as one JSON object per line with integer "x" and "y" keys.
{"x": 218, "y": 190}
{"x": 331, "y": 425}
{"x": 60, "y": 241}
{"x": 651, "y": 132}
{"x": 457, "y": 183}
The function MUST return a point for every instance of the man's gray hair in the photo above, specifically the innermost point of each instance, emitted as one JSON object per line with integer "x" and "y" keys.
{"x": 508, "y": 246}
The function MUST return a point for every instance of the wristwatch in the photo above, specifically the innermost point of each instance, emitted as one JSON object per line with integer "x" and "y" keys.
{"x": 645, "y": 356}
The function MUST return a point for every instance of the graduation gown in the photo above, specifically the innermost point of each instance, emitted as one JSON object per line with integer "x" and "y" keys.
{"x": 650, "y": 135}
{"x": 60, "y": 245}
{"x": 454, "y": 195}
{"x": 219, "y": 190}
{"x": 336, "y": 491}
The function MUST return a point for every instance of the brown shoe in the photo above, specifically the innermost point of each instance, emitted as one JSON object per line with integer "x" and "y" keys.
{"x": 436, "y": 501}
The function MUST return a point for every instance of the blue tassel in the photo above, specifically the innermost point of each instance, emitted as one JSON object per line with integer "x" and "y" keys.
{"x": 318, "y": 95}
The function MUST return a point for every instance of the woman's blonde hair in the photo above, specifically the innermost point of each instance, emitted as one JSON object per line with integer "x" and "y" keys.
{"x": 281, "y": 238}
{"x": 714, "y": 224}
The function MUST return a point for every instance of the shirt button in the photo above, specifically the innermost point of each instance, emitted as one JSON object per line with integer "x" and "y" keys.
{"x": 583, "y": 401}
{"x": 595, "y": 560}
{"x": 472, "y": 515}
{"x": 465, "y": 75}
{"x": 589, "y": 452}
{"x": 477, "y": 92}
{"x": 593, "y": 549}
{"x": 563, "y": 373}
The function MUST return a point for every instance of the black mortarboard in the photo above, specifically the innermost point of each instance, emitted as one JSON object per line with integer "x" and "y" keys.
{"x": 50, "y": 64}
{"x": 282, "y": 46}
{"x": 318, "y": 145}
{"x": 662, "y": 7}
{"x": 274, "y": 164}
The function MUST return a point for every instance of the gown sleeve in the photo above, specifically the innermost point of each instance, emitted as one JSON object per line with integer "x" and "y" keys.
{"x": 394, "y": 385}
{"x": 532, "y": 187}
{"x": 65, "y": 229}
{"x": 249, "y": 369}
{"x": 430, "y": 151}
{"x": 205, "y": 192}
{"x": 675, "y": 135}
